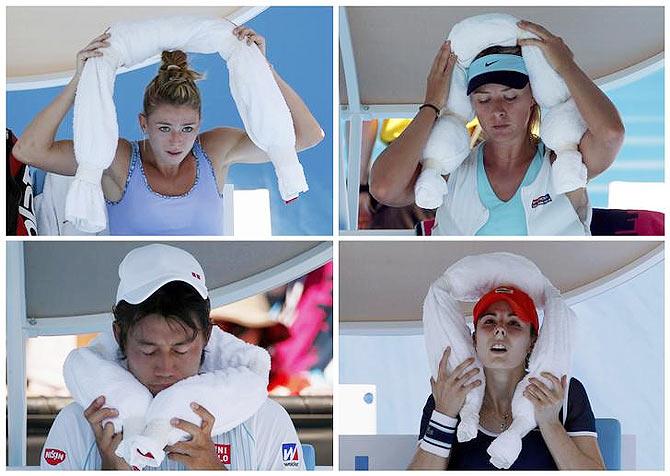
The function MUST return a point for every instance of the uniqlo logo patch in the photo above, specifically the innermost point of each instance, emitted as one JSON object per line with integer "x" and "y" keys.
{"x": 223, "y": 452}
{"x": 54, "y": 456}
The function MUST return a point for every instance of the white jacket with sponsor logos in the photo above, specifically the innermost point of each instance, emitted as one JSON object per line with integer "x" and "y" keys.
{"x": 266, "y": 441}
{"x": 547, "y": 213}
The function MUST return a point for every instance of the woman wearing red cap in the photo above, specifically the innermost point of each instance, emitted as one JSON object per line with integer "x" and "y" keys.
{"x": 506, "y": 327}
{"x": 503, "y": 187}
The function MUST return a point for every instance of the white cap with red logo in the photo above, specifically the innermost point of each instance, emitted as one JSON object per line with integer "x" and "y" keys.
{"x": 147, "y": 268}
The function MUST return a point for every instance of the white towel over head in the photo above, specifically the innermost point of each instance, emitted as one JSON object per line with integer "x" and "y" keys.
{"x": 445, "y": 325}
{"x": 444, "y": 151}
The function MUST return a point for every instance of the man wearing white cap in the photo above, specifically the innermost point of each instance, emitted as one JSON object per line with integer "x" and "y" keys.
{"x": 161, "y": 325}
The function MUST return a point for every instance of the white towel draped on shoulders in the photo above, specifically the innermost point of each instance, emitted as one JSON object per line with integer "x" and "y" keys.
{"x": 232, "y": 387}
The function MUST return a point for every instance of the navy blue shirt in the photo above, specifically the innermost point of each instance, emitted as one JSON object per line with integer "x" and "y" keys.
{"x": 534, "y": 452}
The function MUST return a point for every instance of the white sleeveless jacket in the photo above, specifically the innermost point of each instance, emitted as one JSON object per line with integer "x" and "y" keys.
{"x": 547, "y": 213}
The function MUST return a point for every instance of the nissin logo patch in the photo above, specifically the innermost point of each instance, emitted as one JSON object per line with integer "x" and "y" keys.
{"x": 289, "y": 454}
{"x": 54, "y": 456}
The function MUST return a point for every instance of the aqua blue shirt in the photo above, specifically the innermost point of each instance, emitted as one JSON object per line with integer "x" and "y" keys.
{"x": 505, "y": 218}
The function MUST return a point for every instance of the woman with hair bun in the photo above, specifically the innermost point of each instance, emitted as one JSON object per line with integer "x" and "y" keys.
{"x": 171, "y": 181}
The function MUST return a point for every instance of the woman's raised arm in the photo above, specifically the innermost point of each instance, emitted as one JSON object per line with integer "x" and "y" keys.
{"x": 37, "y": 145}
{"x": 605, "y": 134}
{"x": 395, "y": 171}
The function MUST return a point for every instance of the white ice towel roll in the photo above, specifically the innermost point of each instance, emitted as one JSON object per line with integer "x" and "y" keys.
{"x": 89, "y": 373}
{"x": 232, "y": 387}
{"x": 468, "y": 38}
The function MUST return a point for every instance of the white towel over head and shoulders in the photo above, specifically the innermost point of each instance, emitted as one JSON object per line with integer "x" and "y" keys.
{"x": 445, "y": 324}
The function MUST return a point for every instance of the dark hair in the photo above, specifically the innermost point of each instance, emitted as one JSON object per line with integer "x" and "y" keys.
{"x": 534, "y": 122}
{"x": 177, "y": 301}
{"x": 174, "y": 84}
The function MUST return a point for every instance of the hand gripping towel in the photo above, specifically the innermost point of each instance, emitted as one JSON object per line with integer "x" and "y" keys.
{"x": 232, "y": 387}
{"x": 444, "y": 151}
{"x": 259, "y": 101}
{"x": 444, "y": 325}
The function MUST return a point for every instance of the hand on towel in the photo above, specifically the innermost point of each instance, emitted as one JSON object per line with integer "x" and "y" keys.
{"x": 450, "y": 389}
{"x": 91, "y": 50}
{"x": 439, "y": 77}
{"x": 547, "y": 400}
{"x": 242, "y": 33}
{"x": 198, "y": 452}
{"x": 557, "y": 53}
{"x": 105, "y": 438}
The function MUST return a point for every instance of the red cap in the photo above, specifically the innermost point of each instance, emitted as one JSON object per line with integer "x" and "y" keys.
{"x": 520, "y": 302}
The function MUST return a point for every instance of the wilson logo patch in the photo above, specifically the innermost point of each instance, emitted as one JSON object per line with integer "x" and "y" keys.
{"x": 289, "y": 454}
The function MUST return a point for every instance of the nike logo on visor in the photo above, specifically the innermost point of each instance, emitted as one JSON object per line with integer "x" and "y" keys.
{"x": 486, "y": 65}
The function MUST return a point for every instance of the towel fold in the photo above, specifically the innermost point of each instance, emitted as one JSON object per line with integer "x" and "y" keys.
{"x": 89, "y": 373}
{"x": 444, "y": 325}
{"x": 232, "y": 387}
{"x": 468, "y": 38}
{"x": 259, "y": 101}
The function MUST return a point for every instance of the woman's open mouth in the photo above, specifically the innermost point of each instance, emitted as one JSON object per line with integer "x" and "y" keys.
{"x": 498, "y": 348}
{"x": 174, "y": 154}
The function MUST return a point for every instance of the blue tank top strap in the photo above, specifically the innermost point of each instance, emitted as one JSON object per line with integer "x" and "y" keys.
{"x": 132, "y": 165}
{"x": 204, "y": 162}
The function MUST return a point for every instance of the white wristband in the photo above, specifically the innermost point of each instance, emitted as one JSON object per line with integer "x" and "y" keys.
{"x": 439, "y": 435}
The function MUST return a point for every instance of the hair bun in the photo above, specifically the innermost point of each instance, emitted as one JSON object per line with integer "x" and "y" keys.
{"x": 174, "y": 84}
{"x": 174, "y": 59}
{"x": 175, "y": 67}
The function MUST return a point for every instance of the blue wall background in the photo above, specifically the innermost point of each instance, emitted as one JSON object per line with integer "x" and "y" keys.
{"x": 299, "y": 46}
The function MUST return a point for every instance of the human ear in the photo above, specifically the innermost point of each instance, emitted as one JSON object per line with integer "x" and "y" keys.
{"x": 117, "y": 337}
{"x": 143, "y": 122}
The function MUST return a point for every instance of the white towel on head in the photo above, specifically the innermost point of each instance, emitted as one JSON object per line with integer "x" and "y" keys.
{"x": 468, "y": 38}
{"x": 232, "y": 387}
{"x": 444, "y": 325}
{"x": 259, "y": 101}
